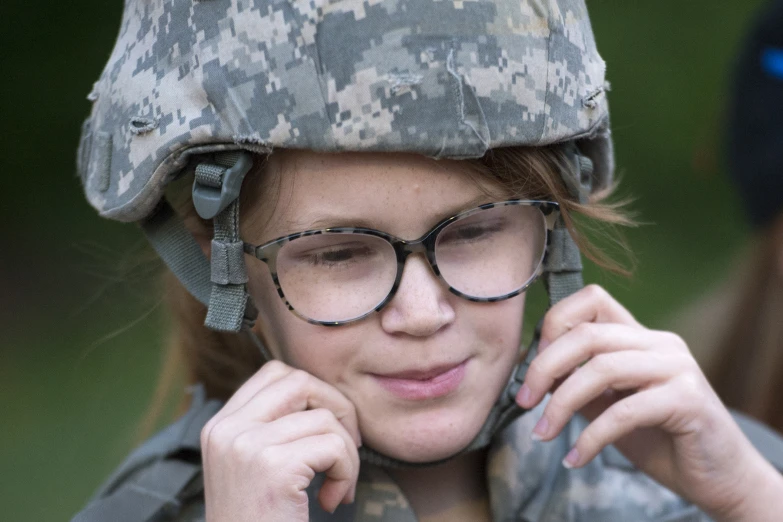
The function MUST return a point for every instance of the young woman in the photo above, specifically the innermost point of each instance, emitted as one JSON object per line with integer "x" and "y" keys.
{"x": 405, "y": 171}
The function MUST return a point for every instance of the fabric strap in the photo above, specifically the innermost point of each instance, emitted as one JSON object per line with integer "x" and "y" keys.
{"x": 219, "y": 284}
{"x": 230, "y": 307}
{"x": 563, "y": 271}
{"x": 168, "y": 235}
{"x": 152, "y": 493}
{"x": 174, "y": 244}
{"x": 229, "y": 300}
{"x": 149, "y": 485}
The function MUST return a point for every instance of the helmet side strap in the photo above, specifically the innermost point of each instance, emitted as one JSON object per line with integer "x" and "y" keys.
{"x": 229, "y": 303}
{"x": 563, "y": 265}
{"x": 216, "y": 196}
{"x": 563, "y": 269}
{"x": 219, "y": 284}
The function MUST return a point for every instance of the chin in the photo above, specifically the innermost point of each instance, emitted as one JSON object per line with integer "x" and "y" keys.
{"x": 426, "y": 436}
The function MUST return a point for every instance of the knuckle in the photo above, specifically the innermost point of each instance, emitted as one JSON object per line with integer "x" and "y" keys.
{"x": 691, "y": 389}
{"x": 537, "y": 369}
{"x": 245, "y": 448}
{"x": 597, "y": 292}
{"x": 604, "y": 364}
{"x": 686, "y": 362}
{"x": 266, "y": 457}
{"x": 300, "y": 378}
{"x": 557, "y": 407}
{"x": 555, "y": 323}
{"x": 585, "y": 331}
{"x": 335, "y": 442}
{"x": 672, "y": 340}
{"x": 590, "y": 439}
{"x": 623, "y": 413}
{"x": 549, "y": 324}
{"x": 220, "y": 435}
{"x": 322, "y": 417}
{"x": 275, "y": 367}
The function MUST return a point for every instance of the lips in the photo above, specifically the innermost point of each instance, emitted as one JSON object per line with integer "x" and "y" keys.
{"x": 422, "y": 375}
{"x": 430, "y": 383}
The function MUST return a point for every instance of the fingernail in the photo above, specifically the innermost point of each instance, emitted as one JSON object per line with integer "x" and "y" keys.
{"x": 572, "y": 459}
{"x": 524, "y": 395}
{"x": 540, "y": 429}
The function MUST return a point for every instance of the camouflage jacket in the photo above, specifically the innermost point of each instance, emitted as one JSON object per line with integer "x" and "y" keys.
{"x": 162, "y": 481}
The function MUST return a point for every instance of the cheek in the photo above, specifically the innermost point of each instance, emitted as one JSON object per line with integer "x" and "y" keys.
{"x": 319, "y": 350}
{"x": 499, "y": 325}
{"x": 270, "y": 324}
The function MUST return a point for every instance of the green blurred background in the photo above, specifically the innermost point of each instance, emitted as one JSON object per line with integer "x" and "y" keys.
{"x": 80, "y": 315}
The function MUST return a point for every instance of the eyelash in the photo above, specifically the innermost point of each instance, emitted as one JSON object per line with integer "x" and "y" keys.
{"x": 319, "y": 258}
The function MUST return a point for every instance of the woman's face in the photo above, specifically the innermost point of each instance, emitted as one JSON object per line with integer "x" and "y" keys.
{"x": 423, "y": 372}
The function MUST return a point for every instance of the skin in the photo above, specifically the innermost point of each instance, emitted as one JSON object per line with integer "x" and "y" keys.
{"x": 310, "y": 410}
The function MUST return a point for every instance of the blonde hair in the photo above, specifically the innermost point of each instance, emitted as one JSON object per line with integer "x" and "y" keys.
{"x": 222, "y": 361}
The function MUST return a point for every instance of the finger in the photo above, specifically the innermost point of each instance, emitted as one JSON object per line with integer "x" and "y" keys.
{"x": 591, "y": 304}
{"x": 296, "y": 392}
{"x": 304, "y": 424}
{"x": 618, "y": 371}
{"x": 329, "y": 454}
{"x": 576, "y": 347}
{"x": 269, "y": 373}
{"x": 661, "y": 406}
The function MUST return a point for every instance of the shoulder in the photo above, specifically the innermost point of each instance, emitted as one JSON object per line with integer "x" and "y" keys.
{"x": 162, "y": 477}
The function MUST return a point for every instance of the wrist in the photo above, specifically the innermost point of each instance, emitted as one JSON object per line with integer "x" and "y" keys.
{"x": 761, "y": 496}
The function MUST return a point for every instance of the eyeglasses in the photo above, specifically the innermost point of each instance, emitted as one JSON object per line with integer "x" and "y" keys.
{"x": 335, "y": 276}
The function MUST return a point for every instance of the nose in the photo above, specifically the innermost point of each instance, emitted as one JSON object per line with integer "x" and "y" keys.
{"x": 422, "y": 304}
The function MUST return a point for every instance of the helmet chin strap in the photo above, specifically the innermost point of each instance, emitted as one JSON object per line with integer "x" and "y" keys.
{"x": 221, "y": 283}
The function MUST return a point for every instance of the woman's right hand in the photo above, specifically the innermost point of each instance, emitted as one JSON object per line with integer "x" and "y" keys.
{"x": 262, "y": 449}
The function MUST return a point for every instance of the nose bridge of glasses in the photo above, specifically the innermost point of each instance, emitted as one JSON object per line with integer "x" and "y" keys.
{"x": 406, "y": 248}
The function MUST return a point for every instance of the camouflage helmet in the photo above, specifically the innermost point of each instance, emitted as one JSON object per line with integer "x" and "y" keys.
{"x": 205, "y": 81}
{"x": 443, "y": 78}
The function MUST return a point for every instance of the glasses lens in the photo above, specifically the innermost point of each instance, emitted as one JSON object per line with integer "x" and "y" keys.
{"x": 336, "y": 276}
{"x": 492, "y": 252}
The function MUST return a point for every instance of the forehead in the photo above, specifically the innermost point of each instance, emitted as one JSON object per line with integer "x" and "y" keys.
{"x": 403, "y": 194}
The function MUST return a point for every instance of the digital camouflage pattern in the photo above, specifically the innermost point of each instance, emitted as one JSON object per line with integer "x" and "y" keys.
{"x": 450, "y": 78}
{"x": 525, "y": 480}
{"x": 527, "y": 483}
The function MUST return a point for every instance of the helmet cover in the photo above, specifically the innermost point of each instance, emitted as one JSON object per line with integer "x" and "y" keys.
{"x": 441, "y": 78}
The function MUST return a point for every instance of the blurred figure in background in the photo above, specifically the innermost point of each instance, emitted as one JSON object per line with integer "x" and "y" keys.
{"x": 736, "y": 332}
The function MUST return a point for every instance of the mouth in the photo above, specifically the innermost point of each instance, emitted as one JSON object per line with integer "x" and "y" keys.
{"x": 424, "y": 384}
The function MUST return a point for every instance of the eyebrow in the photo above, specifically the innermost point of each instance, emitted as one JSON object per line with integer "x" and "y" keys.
{"x": 317, "y": 220}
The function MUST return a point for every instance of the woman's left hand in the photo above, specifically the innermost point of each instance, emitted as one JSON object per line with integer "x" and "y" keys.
{"x": 642, "y": 391}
